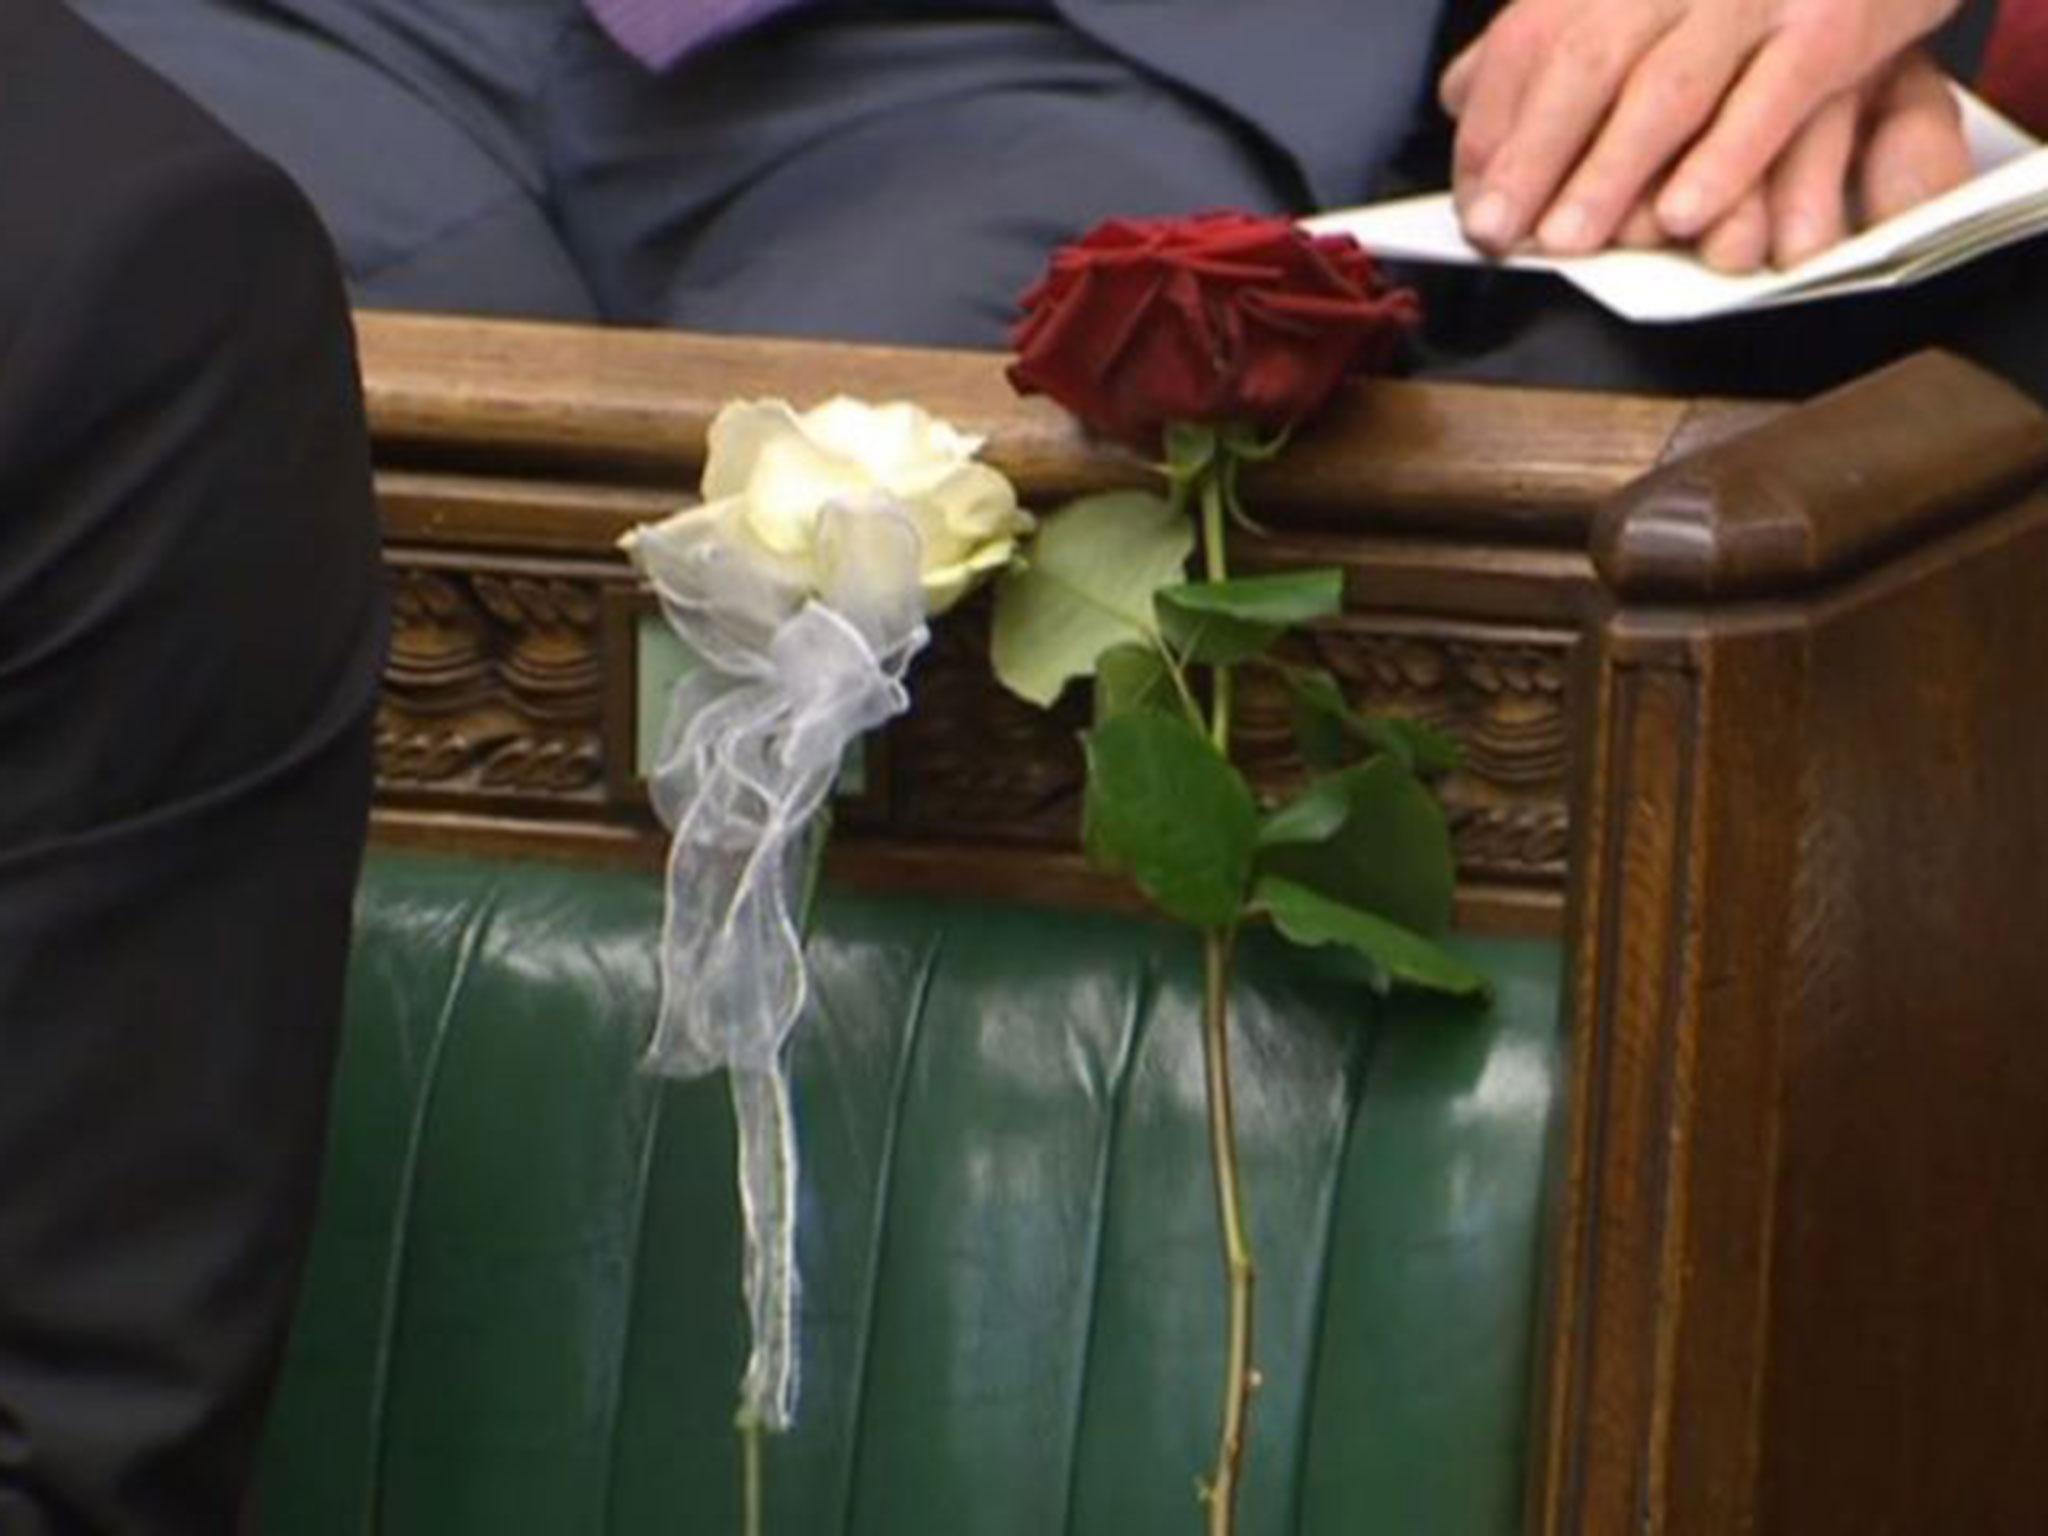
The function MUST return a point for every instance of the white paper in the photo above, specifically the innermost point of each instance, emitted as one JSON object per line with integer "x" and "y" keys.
{"x": 2006, "y": 202}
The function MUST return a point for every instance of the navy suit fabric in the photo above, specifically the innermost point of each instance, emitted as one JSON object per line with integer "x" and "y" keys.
{"x": 1336, "y": 83}
{"x": 868, "y": 169}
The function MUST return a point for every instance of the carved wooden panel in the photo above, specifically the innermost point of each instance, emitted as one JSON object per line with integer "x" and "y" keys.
{"x": 509, "y": 692}
{"x": 1502, "y": 695}
{"x": 494, "y": 685}
{"x": 1499, "y": 690}
{"x": 973, "y": 763}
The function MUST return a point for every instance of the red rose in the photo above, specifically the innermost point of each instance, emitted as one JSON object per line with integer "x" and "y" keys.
{"x": 1217, "y": 318}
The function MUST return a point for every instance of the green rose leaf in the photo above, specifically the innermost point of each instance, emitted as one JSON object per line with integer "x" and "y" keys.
{"x": 1225, "y": 622}
{"x": 1086, "y": 585}
{"x": 1310, "y": 919}
{"x": 1313, "y": 816}
{"x": 1321, "y": 719}
{"x": 1254, "y": 445}
{"x": 1097, "y": 841}
{"x": 1190, "y": 449}
{"x": 1129, "y": 677}
{"x": 1390, "y": 855}
{"x": 1326, "y": 729}
{"x": 1163, "y": 805}
{"x": 1422, "y": 748}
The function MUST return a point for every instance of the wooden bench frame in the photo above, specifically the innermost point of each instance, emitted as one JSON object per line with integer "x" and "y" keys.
{"x": 1752, "y": 703}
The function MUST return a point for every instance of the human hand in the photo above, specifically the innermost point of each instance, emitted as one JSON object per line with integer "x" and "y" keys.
{"x": 1568, "y": 109}
{"x": 1864, "y": 157}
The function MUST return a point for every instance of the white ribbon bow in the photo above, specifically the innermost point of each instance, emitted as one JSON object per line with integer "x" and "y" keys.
{"x": 790, "y": 677}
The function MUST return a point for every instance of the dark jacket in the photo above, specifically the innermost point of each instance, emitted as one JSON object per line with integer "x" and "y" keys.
{"x": 189, "y": 648}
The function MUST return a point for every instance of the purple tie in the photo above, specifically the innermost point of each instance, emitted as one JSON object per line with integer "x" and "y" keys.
{"x": 659, "y": 32}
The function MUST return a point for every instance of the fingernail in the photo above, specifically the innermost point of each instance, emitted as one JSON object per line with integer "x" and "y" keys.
{"x": 1490, "y": 220}
{"x": 1683, "y": 210}
{"x": 1567, "y": 229}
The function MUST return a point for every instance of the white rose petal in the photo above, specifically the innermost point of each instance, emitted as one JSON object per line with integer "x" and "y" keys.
{"x": 793, "y": 479}
{"x": 901, "y": 446}
{"x": 770, "y": 471}
{"x": 734, "y": 442}
{"x": 946, "y": 585}
{"x": 979, "y": 503}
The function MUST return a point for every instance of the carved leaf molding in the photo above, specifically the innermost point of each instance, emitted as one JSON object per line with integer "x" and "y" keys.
{"x": 494, "y": 685}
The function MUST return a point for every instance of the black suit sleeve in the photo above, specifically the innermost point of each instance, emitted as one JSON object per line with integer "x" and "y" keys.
{"x": 190, "y": 634}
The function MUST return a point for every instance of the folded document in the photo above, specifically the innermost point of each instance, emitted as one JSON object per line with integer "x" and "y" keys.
{"x": 2006, "y": 202}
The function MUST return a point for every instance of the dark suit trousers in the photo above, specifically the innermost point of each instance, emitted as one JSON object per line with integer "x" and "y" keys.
{"x": 189, "y": 646}
{"x": 851, "y": 173}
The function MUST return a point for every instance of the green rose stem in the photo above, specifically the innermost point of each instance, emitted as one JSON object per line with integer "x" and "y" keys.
{"x": 1220, "y": 1492}
{"x": 750, "y": 1472}
{"x": 746, "y": 1421}
{"x": 1218, "y": 949}
{"x": 1217, "y": 563}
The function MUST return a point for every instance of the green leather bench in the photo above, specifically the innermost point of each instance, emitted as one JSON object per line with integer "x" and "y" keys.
{"x": 1724, "y": 1221}
{"x": 523, "y": 1311}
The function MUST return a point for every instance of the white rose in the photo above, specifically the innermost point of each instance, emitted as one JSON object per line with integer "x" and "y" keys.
{"x": 771, "y": 470}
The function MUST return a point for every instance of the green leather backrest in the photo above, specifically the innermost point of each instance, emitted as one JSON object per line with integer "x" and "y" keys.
{"x": 522, "y": 1316}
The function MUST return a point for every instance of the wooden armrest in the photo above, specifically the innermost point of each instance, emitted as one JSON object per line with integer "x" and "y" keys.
{"x": 1816, "y": 494}
{"x": 622, "y": 405}
{"x": 1799, "y": 1263}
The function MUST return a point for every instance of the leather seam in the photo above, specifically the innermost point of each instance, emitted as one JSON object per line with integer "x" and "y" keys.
{"x": 1143, "y": 996}
{"x": 1358, "y": 1084}
{"x": 615, "y": 1411}
{"x": 394, "y": 1275}
{"x": 885, "y": 1181}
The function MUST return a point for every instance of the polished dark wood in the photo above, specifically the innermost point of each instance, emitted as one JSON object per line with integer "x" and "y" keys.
{"x": 1521, "y": 465}
{"x": 1798, "y": 1268}
{"x": 1816, "y": 494}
